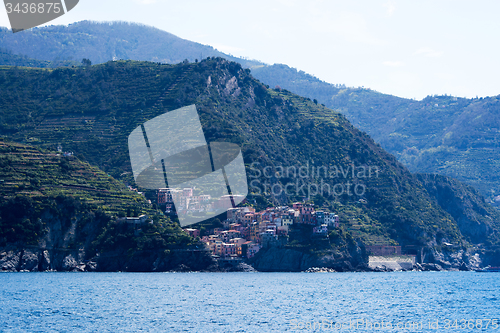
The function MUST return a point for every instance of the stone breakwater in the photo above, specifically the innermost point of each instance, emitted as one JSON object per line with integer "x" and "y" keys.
{"x": 408, "y": 263}
{"x": 391, "y": 263}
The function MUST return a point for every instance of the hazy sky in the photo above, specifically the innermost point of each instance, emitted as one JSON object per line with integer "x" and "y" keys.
{"x": 405, "y": 48}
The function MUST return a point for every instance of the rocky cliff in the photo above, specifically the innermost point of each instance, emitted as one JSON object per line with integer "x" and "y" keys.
{"x": 476, "y": 219}
{"x": 35, "y": 259}
{"x": 289, "y": 260}
{"x": 337, "y": 251}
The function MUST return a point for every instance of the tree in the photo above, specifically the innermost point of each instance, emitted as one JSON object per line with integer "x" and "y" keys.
{"x": 86, "y": 62}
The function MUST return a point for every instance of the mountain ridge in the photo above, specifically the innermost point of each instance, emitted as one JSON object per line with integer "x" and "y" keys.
{"x": 104, "y": 41}
{"x": 93, "y": 109}
{"x": 392, "y": 121}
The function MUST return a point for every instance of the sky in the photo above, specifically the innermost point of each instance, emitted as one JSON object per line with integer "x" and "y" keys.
{"x": 405, "y": 48}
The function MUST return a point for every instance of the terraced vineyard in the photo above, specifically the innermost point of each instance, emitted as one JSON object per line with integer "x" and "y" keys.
{"x": 94, "y": 113}
{"x": 33, "y": 172}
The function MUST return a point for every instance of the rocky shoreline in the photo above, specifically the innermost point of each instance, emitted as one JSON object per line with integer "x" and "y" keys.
{"x": 39, "y": 260}
{"x": 13, "y": 259}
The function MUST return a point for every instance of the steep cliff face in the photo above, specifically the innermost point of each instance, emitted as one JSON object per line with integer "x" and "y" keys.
{"x": 338, "y": 251}
{"x": 38, "y": 259}
{"x": 34, "y": 259}
{"x": 289, "y": 260}
{"x": 452, "y": 258}
{"x": 80, "y": 242}
{"x": 155, "y": 261}
{"x": 60, "y": 213}
{"x": 62, "y": 245}
{"x": 477, "y": 221}
{"x": 59, "y": 240}
{"x": 71, "y": 236}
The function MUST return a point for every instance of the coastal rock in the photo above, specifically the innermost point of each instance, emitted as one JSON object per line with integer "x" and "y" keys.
{"x": 212, "y": 268}
{"x": 431, "y": 267}
{"x": 29, "y": 261}
{"x": 320, "y": 270}
{"x": 45, "y": 261}
{"x": 80, "y": 268}
{"x": 182, "y": 268}
{"x": 236, "y": 266}
{"x": 9, "y": 260}
{"x": 69, "y": 263}
{"x": 91, "y": 266}
{"x": 455, "y": 258}
{"x": 464, "y": 267}
{"x": 381, "y": 269}
{"x": 153, "y": 261}
{"x": 274, "y": 259}
{"x": 244, "y": 267}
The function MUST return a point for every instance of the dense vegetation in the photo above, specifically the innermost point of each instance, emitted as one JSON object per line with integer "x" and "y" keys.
{"x": 476, "y": 218}
{"x": 60, "y": 202}
{"x": 91, "y": 111}
{"x": 31, "y": 172}
{"x": 457, "y": 137}
{"x": 8, "y": 58}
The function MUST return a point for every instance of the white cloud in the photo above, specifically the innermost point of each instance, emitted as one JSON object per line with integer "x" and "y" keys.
{"x": 390, "y": 8}
{"x": 393, "y": 63}
{"x": 428, "y": 52}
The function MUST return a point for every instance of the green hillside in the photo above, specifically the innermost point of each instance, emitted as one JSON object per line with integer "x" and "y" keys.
{"x": 8, "y": 58}
{"x": 458, "y": 137}
{"x": 476, "y": 218}
{"x": 62, "y": 214}
{"x": 451, "y": 136}
{"x": 91, "y": 111}
{"x": 31, "y": 172}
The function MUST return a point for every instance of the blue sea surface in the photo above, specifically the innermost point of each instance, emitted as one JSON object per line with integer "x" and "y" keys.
{"x": 250, "y": 302}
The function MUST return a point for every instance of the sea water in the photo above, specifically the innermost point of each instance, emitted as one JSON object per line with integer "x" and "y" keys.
{"x": 250, "y": 302}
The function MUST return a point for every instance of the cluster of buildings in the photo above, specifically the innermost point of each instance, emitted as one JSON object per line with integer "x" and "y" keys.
{"x": 246, "y": 231}
{"x": 66, "y": 153}
{"x": 184, "y": 201}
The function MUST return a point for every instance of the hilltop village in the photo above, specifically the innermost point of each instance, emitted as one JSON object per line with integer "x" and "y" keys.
{"x": 246, "y": 231}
